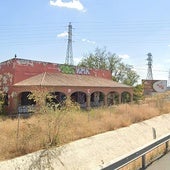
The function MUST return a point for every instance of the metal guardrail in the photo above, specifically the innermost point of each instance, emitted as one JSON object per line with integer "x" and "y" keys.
{"x": 139, "y": 153}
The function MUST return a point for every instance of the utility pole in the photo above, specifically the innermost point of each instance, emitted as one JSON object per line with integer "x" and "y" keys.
{"x": 149, "y": 74}
{"x": 69, "y": 53}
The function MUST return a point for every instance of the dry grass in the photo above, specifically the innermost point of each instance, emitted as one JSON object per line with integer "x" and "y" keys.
{"x": 58, "y": 128}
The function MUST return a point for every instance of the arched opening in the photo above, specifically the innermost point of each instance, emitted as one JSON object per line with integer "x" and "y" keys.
{"x": 113, "y": 98}
{"x": 55, "y": 99}
{"x": 80, "y": 98}
{"x": 26, "y": 103}
{"x": 25, "y": 100}
{"x": 125, "y": 97}
{"x": 97, "y": 99}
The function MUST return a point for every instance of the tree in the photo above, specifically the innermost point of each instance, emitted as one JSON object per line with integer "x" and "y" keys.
{"x": 2, "y": 102}
{"x": 101, "y": 59}
{"x": 130, "y": 76}
{"x": 138, "y": 92}
{"x": 113, "y": 63}
{"x": 95, "y": 60}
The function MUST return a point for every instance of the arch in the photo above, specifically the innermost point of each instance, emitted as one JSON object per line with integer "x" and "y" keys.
{"x": 55, "y": 99}
{"x": 25, "y": 100}
{"x": 113, "y": 98}
{"x": 97, "y": 99}
{"x": 125, "y": 97}
{"x": 80, "y": 98}
{"x": 26, "y": 105}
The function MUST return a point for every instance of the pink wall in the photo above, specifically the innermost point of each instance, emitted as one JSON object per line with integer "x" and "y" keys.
{"x": 22, "y": 69}
{"x": 16, "y": 70}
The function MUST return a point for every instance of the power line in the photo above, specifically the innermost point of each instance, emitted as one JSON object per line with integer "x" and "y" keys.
{"x": 119, "y": 31}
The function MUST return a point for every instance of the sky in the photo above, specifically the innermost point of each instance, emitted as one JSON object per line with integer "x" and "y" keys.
{"x": 37, "y": 30}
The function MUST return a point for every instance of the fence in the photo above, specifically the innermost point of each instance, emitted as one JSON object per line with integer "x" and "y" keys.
{"x": 139, "y": 153}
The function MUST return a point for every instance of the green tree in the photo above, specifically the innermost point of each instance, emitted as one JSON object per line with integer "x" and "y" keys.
{"x": 138, "y": 92}
{"x": 2, "y": 101}
{"x": 113, "y": 63}
{"x": 97, "y": 60}
{"x": 101, "y": 59}
{"x": 130, "y": 77}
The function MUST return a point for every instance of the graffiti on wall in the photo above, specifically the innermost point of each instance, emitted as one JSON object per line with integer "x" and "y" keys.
{"x": 160, "y": 86}
{"x": 81, "y": 70}
{"x": 5, "y": 81}
{"x": 67, "y": 69}
{"x": 152, "y": 86}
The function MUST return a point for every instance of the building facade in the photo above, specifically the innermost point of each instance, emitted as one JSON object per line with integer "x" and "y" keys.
{"x": 88, "y": 87}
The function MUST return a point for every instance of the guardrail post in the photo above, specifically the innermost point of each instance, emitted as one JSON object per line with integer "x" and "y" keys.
{"x": 166, "y": 146}
{"x": 143, "y": 162}
{"x": 140, "y": 153}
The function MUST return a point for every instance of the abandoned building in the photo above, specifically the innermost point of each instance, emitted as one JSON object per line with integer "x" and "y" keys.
{"x": 88, "y": 87}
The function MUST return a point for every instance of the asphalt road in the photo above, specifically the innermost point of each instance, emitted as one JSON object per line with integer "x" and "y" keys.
{"x": 161, "y": 164}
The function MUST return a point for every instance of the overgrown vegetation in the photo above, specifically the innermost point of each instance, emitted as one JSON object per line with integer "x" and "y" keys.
{"x": 48, "y": 127}
{"x": 138, "y": 93}
{"x": 1, "y": 103}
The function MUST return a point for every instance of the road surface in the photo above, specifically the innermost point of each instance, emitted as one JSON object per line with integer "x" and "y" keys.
{"x": 162, "y": 164}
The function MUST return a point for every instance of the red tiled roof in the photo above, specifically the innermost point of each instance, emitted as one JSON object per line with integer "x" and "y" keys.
{"x": 59, "y": 79}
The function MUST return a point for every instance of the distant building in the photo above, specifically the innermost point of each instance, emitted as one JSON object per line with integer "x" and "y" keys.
{"x": 88, "y": 87}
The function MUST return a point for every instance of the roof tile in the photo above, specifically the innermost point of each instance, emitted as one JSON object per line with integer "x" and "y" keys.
{"x": 60, "y": 79}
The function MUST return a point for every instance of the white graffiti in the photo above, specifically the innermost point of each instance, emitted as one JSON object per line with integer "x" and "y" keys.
{"x": 82, "y": 71}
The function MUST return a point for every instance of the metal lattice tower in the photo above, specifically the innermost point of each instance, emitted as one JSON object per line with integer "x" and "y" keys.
{"x": 69, "y": 54}
{"x": 149, "y": 74}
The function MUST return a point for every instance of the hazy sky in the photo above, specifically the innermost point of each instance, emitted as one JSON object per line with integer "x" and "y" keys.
{"x": 37, "y": 30}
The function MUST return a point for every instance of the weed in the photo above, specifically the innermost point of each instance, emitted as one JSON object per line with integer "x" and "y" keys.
{"x": 48, "y": 127}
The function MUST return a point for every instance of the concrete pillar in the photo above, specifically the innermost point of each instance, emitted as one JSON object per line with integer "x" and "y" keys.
{"x": 41, "y": 101}
{"x": 13, "y": 103}
{"x": 131, "y": 97}
{"x": 166, "y": 147}
{"x": 16, "y": 102}
{"x": 120, "y": 96}
{"x": 68, "y": 97}
{"x": 105, "y": 100}
{"x": 88, "y": 102}
{"x": 143, "y": 162}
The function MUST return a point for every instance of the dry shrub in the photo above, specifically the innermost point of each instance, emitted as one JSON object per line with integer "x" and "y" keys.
{"x": 26, "y": 140}
{"x": 7, "y": 138}
{"x": 58, "y": 127}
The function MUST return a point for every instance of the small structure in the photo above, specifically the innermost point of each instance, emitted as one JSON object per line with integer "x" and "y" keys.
{"x": 88, "y": 87}
{"x": 154, "y": 86}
